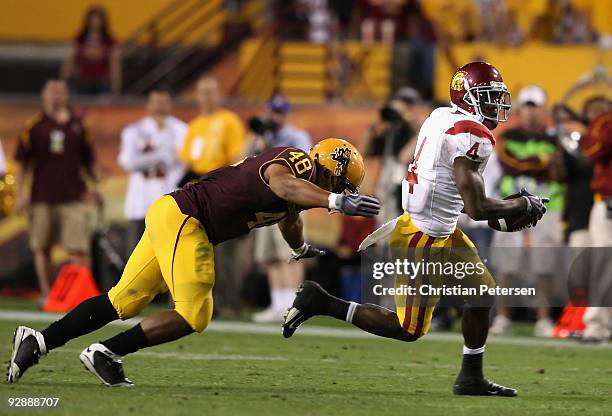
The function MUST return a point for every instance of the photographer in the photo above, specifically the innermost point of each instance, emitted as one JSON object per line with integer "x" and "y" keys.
{"x": 392, "y": 139}
{"x": 271, "y": 251}
{"x": 273, "y": 128}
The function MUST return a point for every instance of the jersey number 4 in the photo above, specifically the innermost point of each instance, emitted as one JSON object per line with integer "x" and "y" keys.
{"x": 412, "y": 176}
{"x": 473, "y": 152}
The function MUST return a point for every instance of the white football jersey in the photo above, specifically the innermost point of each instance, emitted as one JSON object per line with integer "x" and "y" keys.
{"x": 429, "y": 193}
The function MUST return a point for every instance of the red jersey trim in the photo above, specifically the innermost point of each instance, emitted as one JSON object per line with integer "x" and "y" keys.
{"x": 472, "y": 127}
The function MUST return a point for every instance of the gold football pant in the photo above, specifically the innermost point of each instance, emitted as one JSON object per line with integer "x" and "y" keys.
{"x": 407, "y": 241}
{"x": 173, "y": 254}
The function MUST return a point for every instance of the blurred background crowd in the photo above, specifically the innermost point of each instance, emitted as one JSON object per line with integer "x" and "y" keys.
{"x": 107, "y": 105}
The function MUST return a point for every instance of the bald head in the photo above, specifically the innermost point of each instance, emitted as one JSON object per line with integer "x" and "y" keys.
{"x": 208, "y": 94}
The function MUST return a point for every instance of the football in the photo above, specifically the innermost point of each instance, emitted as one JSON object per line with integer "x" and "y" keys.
{"x": 510, "y": 224}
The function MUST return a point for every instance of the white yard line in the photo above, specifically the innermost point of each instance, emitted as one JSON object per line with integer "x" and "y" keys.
{"x": 310, "y": 330}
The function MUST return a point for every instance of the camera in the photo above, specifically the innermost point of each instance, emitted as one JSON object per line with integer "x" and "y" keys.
{"x": 390, "y": 115}
{"x": 261, "y": 125}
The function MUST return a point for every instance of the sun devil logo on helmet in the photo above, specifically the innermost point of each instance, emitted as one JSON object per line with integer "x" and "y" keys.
{"x": 457, "y": 81}
{"x": 341, "y": 155}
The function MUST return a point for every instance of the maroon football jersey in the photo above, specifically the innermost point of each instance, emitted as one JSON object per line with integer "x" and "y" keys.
{"x": 233, "y": 200}
{"x": 57, "y": 153}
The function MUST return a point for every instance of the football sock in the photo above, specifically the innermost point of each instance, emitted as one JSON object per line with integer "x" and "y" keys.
{"x": 336, "y": 307}
{"x": 127, "y": 342}
{"x": 88, "y": 316}
{"x": 472, "y": 362}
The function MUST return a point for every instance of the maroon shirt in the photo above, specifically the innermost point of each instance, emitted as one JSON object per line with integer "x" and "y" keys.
{"x": 57, "y": 153}
{"x": 233, "y": 200}
{"x": 93, "y": 57}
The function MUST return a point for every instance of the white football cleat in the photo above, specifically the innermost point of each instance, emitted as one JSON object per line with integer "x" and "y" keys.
{"x": 105, "y": 364}
{"x": 28, "y": 347}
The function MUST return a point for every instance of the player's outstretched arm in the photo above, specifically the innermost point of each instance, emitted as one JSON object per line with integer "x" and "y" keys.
{"x": 298, "y": 191}
{"x": 291, "y": 228}
{"x": 308, "y": 195}
{"x": 476, "y": 203}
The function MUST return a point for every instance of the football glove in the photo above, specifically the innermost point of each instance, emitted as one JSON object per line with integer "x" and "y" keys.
{"x": 305, "y": 252}
{"x": 355, "y": 205}
{"x": 536, "y": 207}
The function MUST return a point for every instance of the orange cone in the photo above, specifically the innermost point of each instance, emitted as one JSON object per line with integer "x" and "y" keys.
{"x": 72, "y": 286}
{"x": 570, "y": 323}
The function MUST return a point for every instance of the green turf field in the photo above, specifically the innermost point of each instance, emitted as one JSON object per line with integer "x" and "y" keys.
{"x": 329, "y": 371}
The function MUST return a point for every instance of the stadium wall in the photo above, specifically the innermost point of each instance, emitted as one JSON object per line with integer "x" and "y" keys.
{"x": 554, "y": 67}
{"x": 18, "y": 22}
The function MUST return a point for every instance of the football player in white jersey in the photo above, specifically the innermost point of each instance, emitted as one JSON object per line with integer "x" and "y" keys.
{"x": 444, "y": 178}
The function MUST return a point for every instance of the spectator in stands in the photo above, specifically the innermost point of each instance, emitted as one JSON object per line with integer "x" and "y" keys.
{"x": 382, "y": 20}
{"x": 214, "y": 139}
{"x": 94, "y": 60}
{"x": 524, "y": 19}
{"x": 526, "y": 154}
{"x": 421, "y": 35}
{"x": 55, "y": 148}
{"x": 595, "y": 16}
{"x": 597, "y": 146}
{"x": 149, "y": 149}
{"x": 392, "y": 140}
{"x": 321, "y": 23}
{"x": 578, "y": 175}
{"x": 271, "y": 250}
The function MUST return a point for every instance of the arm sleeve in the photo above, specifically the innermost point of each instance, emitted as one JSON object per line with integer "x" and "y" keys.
{"x": 469, "y": 145}
{"x": 131, "y": 158}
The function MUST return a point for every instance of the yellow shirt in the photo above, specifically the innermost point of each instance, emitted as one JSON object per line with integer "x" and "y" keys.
{"x": 213, "y": 141}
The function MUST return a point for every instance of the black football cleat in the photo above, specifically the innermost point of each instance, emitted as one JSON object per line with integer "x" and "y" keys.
{"x": 105, "y": 364}
{"x": 481, "y": 387}
{"x": 308, "y": 296}
{"x": 28, "y": 347}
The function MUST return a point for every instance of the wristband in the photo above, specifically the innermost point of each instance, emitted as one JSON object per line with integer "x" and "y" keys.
{"x": 334, "y": 201}
{"x": 299, "y": 251}
{"x": 529, "y": 207}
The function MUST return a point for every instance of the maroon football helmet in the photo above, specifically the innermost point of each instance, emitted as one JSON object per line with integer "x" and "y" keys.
{"x": 477, "y": 88}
